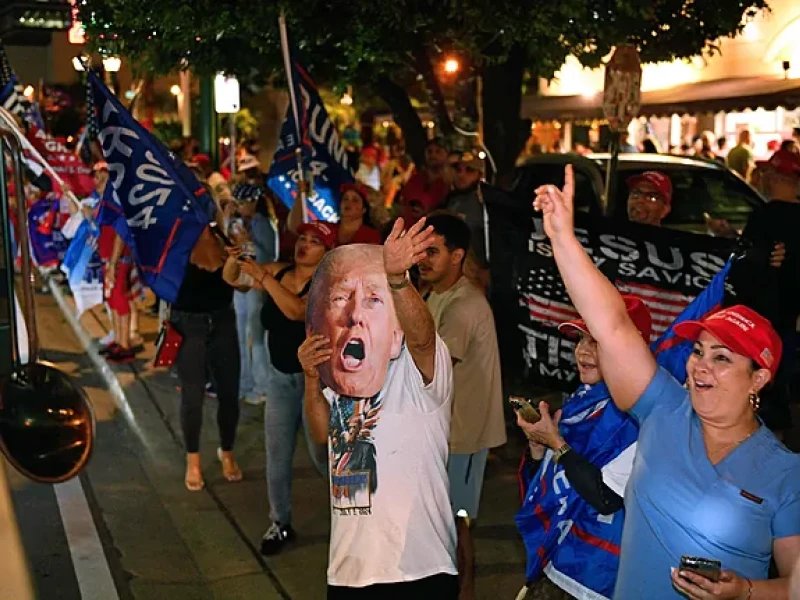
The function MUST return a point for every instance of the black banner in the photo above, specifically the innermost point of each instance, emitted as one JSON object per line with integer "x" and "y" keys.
{"x": 665, "y": 268}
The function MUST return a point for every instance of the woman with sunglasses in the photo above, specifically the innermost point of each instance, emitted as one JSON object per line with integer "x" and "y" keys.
{"x": 708, "y": 480}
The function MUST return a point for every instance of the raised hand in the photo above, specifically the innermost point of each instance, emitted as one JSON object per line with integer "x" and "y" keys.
{"x": 557, "y": 205}
{"x": 403, "y": 249}
{"x": 315, "y": 350}
{"x": 250, "y": 267}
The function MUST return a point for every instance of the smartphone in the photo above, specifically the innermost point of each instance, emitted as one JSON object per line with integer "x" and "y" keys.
{"x": 705, "y": 567}
{"x": 525, "y": 408}
{"x": 217, "y": 231}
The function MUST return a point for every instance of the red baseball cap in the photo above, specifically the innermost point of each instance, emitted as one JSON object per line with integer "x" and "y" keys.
{"x": 785, "y": 163}
{"x": 200, "y": 160}
{"x": 637, "y": 311}
{"x": 320, "y": 229}
{"x": 742, "y": 330}
{"x": 656, "y": 178}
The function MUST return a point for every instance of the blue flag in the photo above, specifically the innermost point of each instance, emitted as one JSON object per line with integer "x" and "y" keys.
{"x": 153, "y": 202}
{"x": 672, "y": 352}
{"x": 323, "y": 156}
{"x": 47, "y": 244}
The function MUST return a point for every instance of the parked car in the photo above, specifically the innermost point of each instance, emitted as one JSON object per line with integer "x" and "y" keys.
{"x": 703, "y": 191}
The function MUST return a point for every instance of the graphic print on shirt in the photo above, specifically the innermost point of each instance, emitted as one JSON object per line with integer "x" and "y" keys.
{"x": 353, "y": 464}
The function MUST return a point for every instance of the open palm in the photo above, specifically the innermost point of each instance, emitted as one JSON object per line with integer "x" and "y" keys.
{"x": 557, "y": 205}
{"x": 403, "y": 249}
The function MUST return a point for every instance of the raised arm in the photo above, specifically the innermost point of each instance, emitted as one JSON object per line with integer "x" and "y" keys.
{"x": 401, "y": 251}
{"x": 627, "y": 363}
{"x": 264, "y": 279}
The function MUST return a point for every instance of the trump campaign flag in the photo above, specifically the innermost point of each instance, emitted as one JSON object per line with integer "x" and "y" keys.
{"x": 323, "y": 156}
{"x": 152, "y": 202}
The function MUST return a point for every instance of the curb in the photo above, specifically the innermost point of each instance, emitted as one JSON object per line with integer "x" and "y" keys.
{"x": 102, "y": 367}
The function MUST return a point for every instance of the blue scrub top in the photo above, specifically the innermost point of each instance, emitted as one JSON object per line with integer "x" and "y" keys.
{"x": 677, "y": 503}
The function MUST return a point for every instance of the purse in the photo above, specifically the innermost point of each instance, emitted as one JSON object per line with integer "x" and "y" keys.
{"x": 168, "y": 344}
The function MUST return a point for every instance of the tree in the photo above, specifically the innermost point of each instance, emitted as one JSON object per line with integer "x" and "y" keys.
{"x": 396, "y": 49}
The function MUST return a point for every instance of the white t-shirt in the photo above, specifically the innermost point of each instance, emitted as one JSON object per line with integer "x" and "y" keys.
{"x": 391, "y": 519}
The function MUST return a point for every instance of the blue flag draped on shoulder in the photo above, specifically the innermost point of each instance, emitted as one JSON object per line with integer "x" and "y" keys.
{"x": 672, "y": 352}
{"x": 561, "y": 531}
{"x": 324, "y": 157}
{"x": 153, "y": 202}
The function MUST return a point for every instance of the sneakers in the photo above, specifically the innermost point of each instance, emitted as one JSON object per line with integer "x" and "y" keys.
{"x": 275, "y": 539}
{"x": 255, "y": 399}
{"x": 120, "y": 355}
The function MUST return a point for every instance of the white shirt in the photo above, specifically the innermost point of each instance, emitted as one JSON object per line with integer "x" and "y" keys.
{"x": 391, "y": 519}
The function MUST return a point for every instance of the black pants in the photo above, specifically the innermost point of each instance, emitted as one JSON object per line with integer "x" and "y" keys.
{"x": 436, "y": 587}
{"x": 210, "y": 347}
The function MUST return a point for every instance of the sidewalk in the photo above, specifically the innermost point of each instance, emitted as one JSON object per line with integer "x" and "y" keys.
{"x": 222, "y": 526}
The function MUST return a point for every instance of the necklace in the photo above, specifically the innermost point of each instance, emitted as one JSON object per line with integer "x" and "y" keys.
{"x": 731, "y": 445}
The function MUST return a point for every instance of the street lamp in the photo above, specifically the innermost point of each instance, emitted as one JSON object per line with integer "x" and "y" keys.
{"x": 112, "y": 64}
{"x": 451, "y": 66}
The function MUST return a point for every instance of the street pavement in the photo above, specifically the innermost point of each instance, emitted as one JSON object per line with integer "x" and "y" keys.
{"x": 160, "y": 541}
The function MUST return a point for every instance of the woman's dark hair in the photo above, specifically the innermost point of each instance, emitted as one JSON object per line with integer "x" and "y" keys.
{"x": 364, "y": 204}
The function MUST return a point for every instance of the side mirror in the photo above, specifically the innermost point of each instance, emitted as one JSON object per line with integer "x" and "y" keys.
{"x": 46, "y": 423}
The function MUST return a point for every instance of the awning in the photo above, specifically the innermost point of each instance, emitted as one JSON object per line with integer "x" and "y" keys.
{"x": 735, "y": 94}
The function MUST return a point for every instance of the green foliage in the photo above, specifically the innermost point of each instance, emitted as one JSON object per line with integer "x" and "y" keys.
{"x": 350, "y": 42}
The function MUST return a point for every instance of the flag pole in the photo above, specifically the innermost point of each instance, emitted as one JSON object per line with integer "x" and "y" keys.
{"x": 26, "y": 144}
{"x": 287, "y": 63}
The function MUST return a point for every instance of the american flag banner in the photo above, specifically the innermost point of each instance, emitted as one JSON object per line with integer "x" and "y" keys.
{"x": 11, "y": 96}
{"x": 666, "y": 268}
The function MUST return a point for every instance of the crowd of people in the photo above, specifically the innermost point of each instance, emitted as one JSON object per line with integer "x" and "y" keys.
{"x": 375, "y": 335}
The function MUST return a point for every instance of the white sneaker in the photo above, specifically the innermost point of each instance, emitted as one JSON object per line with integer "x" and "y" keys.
{"x": 107, "y": 339}
{"x": 254, "y": 399}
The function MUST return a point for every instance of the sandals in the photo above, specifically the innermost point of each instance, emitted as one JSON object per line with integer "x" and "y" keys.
{"x": 194, "y": 484}
{"x": 230, "y": 470}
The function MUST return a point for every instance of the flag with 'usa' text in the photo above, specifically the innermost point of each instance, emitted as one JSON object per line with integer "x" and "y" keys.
{"x": 153, "y": 201}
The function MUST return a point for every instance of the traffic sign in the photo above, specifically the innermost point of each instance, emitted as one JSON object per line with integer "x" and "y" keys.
{"x": 622, "y": 92}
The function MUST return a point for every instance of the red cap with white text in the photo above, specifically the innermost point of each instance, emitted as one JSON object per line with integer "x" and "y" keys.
{"x": 743, "y": 331}
{"x": 637, "y": 311}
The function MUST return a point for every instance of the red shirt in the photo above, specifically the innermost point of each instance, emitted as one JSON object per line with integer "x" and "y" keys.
{"x": 363, "y": 235}
{"x": 431, "y": 194}
{"x": 105, "y": 243}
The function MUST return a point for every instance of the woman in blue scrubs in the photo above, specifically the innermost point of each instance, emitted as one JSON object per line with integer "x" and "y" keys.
{"x": 708, "y": 480}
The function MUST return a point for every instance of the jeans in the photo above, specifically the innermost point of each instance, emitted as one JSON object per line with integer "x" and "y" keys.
{"x": 210, "y": 348}
{"x": 252, "y": 342}
{"x": 283, "y": 413}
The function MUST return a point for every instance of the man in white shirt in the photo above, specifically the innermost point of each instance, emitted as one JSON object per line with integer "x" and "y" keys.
{"x": 378, "y": 389}
{"x": 465, "y": 322}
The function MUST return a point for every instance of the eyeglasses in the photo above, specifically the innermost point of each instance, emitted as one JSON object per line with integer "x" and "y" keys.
{"x": 646, "y": 196}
